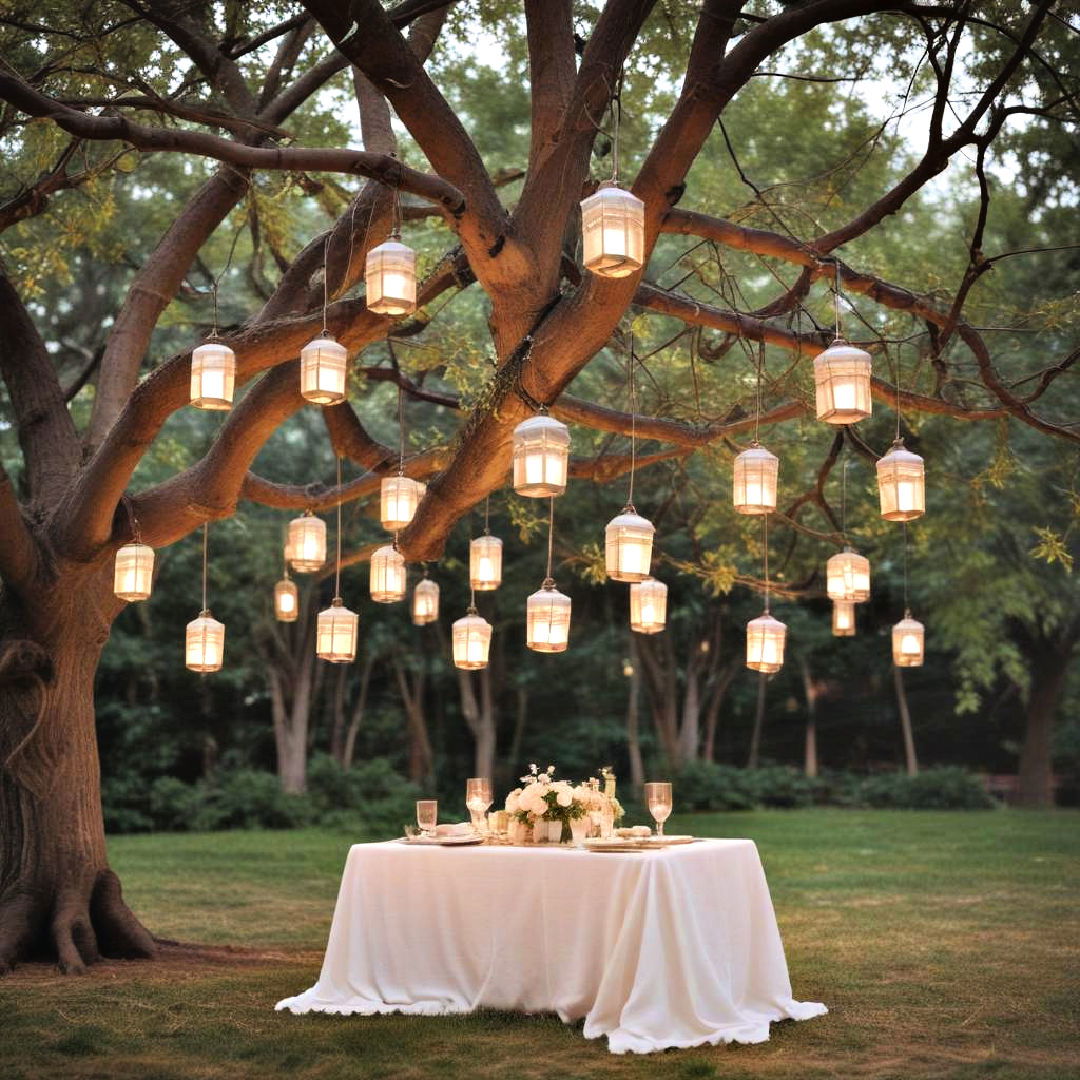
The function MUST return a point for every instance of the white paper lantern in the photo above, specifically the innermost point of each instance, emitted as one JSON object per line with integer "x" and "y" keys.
{"x": 305, "y": 545}
{"x": 425, "y": 602}
{"x": 901, "y": 484}
{"x": 908, "y": 642}
{"x": 213, "y": 376}
{"x": 754, "y": 481}
{"x": 765, "y": 640}
{"x": 399, "y": 497}
{"x": 612, "y": 232}
{"x": 390, "y": 277}
{"x": 843, "y": 618}
{"x": 541, "y": 455}
{"x": 335, "y": 633}
{"x": 387, "y": 575}
{"x": 471, "y": 640}
{"x": 842, "y": 383}
{"x": 648, "y": 606}
{"x": 547, "y": 619}
{"x": 485, "y": 563}
{"x": 323, "y": 370}
{"x": 204, "y": 643}
{"x": 286, "y": 601}
{"x": 847, "y": 577}
{"x": 133, "y": 571}
{"x": 628, "y": 540}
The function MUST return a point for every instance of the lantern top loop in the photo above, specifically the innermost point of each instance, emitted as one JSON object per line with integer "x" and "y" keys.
{"x": 899, "y": 452}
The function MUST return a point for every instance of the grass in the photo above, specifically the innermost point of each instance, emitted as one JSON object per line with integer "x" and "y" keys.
{"x": 946, "y": 946}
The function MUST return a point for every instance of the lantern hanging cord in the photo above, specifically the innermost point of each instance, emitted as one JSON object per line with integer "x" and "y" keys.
{"x": 616, "y": 118}
{"x": 133, "y": 521}
{"x": 760, "y": 369}
{"x": 633, "y": 425}
{"x": 337, "y": 555}
{"x": 487, "y": 515}
{"x": 843, "y": 500}
{"x": 765, "y": 555}
{"x": 205, "y": 559}
{"x": 898, "y": 376}
{"x": 548, "y": 580}
{"x": 216, "y": 281}
{"x": 326, "y": 281}
{"x": 907, "y": 610}
{"x": 401, "y": 429}
{"x": 472, "y": 600}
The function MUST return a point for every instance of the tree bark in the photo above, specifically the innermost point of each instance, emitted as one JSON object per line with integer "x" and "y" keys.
{"x": 911, "y": 762}
{"x": 810, "y": 764}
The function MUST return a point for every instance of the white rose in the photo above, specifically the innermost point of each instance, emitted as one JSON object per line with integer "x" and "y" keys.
{"x": 513, "y": 802}
{"x": 565, "y": 797}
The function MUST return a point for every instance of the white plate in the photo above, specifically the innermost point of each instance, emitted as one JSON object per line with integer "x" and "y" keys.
{"x": 441, "y": 841}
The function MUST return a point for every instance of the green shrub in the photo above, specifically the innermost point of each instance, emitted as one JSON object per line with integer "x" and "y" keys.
{"x": 248, "y": 799}
{"x": 944, "y": 788}
{"x": 371, "y": 793}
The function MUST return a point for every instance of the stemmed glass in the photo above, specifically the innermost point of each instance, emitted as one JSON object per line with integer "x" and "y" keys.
{"x": 478, "y": 797}
{"x": 658, "y": 800}
{"x": 427, "y": 815}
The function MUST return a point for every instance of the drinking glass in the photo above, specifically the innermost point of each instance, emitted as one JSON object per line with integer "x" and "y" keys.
{"x": 658, "y": 800}
{"x": 427, "y": 815}
{"x": 478, "y": 797}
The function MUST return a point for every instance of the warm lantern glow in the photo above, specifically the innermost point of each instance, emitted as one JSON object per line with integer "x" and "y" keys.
{"x": 286, "y": 601}
{"x": 765, "y": 639}
{"x": 390, "y": 275}
{"x": 754, "y": 477}
{"x": 908, "y": 638}
{"x": 472, "y": 639}
{"x": 204, "y": 643}
{"x": 133, "y": 571}
{"x": 213, "y": 376}
{"x": 648, "y": 606}
{"x": 847, "y": 577}
{"x": 843, "y": 618}
{"x": 612, "y": 232}
{"x": 425, "y": 602}
{"x": 628, "y": 541}
{"x": 485, "y": 563}
{"x": 305, "y": 547}
{"x": 323, "y": 369}
{"x": 842, "y": 383}
{"x": 901, "y": 484}
{"x": 399, "y": 498}
{"x": 541, "y": 453}
{"x": 335, "y": 633}
{"x": 547, "y": 619}
{"x": 387, "y": 575}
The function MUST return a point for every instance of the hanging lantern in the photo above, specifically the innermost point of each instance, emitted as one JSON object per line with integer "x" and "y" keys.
{"x": 847, "y": 577}
{"x": 305, "y": 546}
{"x": 286, "y": 601}
{"x": 843, "y": 618}
{"x": 133, "y": 571}
{"x": 765, "y": 639}
{"x": 213, "y": 376}
{"x": 754, "y": 477}
{"x": 485, "y": 563}
{"x": 908, "y": 639}
{"x": 399, "y": 498}
{"x": 648, "y": 606}
{"x": 901, "y": 484}
{"x": 472, "y": 638}
{"x": 323, "y": 370}
{"x": 387, "y": 575}
{"x": 842, "y": 383}
{"x": 547, "y": 619}
{"x": 335, "y": 633}
{"x": 425, "y": 602}
{"x": 628, "y": 541}
{"x": 612, "y": 232}
{"x": 390, "y": 276}
{"x": 204, "y": 643}
{"x": 541, "y": 453}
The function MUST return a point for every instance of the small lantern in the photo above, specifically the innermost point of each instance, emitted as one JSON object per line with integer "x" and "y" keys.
{"x": 541, "y": 453}
{"x": 842, "y": 383}
{"x": 387, "y": 575}
{"x": 612, "y": 232}
{"x": 286, "y": 601}
{"x": 901, "y": 484}
{"x": 323, "y": 370}
{"x": 399, "y": 498}
{"x": 908, "y": 639}
{"x": 425, "y": 602}
{"x": 335, "y": 633}
{"x": 547, "y": 619}
{"x": 648, "y": 606}
{"x": 628, "y": 541}
{"x": 305, "y": 546}
{"x": 765, "y": 639}
{"x": 847, "y": 577}
{"x": 204, "y": 643}
{"x": 627, "y": 668}
{"x": 213, "y": 376}
{"x": 390, "y": 276}
{"x": 472, "y": 639}
{"x": 485, "y": 563}
{"x": 754, "y": 477}
{"x": 843, "y": 618}
{"x": 133, "y": 571}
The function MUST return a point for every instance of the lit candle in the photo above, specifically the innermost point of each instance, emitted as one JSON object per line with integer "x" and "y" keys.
{"x": 286, "y": 603}
{"x": 534, "y": 468}
{"x": 843, "y": 394}
{"x": 905, "y": 495}
{"x": 909, "y": 645}
{"x": 614, "y": 241}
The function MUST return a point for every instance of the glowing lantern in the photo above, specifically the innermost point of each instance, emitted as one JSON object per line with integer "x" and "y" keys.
{"x": 612, "y": 232}
{"x": 628, "y": 541}
{"x": 843, "y": 618}
{"x": 765, "y": 639}
{"x": 133, "y": 571}
{"x": 305, "y": 545}
{"x": 204, "y": 643}
{"x": 901, "y": 484}
{"x": 541, "y": 453}
{"x": 425, "y": 602}
{"x": 648, "y": 606}
{"x": 842, "y": 383}
{"x": 547, "y": 619}
{"x": 286, "y": 601}
{"x": 847, "y": 577}
{"x": 387, "y": 575}
{"x": 323, "y": 369}
{"x": 908, "y": 638}
{"x": 754, "y": 477}
{"x": 485, "y": 563}
{"x": 213, "y": 376}
{"x": 399, "y": 498}
{"x": 472, "y": 638}
{"x": 335, "y": 633}
{"x": 390, "y": 276}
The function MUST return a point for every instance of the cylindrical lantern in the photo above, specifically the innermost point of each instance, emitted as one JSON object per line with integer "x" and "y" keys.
{"x": 843, "y": 618}
{"x": 765, "y": 639}
{"x": 842, "y": 383}
{"x": 485, "y": 563}
{"x": 472, "y": 639}
{"x": 425, "y": 602}
{"x": 754, "y": 478}
{"x": 908, "y": 639}
{"x": 541, "y": 453}
{"x": 612, "y": 232}
{"x": 286, "y": 601}
{"x": 204, "y": 643}
{"x": 335, "y": 633}
{"x": 399, "y": 498}
{"x": 628, "y": 541}
{"x": 133, "y": 571}
{"x": 305, "y": 546}
{"x": 648, "y": 606}
{"x": 547, "y": 619}
{"x": 847, "y": 577}
{"x": 390, "y": 276}
{"x": 387, "y": 575}
{"x": 901, "y": 484}
{"x": 213, "y": 376}
{"x": 323, "y": 370}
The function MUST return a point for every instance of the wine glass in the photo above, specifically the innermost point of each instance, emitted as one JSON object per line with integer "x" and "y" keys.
{"x": 427, "y": 815}
{"x": 658, "y": 800}
{"x": 478, "y": 797}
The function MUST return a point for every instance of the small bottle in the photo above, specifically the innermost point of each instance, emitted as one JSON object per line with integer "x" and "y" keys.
{"x": 609, "y": 782}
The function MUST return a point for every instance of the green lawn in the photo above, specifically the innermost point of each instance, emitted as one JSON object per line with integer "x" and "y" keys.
{"x": 946, "y": 945}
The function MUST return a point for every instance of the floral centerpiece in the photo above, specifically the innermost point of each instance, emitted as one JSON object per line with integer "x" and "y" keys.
{"x": 552, "y": 807}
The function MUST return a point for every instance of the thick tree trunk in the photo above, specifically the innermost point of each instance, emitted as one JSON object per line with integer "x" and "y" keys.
{"x": 359, "y": 708}
{"x": 1049, "y": 669}
{"x": 911, "y": 762}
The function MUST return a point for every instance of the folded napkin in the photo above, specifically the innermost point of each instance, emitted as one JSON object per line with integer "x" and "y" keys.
{"x": 634, "y": 831}
{"x": 462, "y": 828}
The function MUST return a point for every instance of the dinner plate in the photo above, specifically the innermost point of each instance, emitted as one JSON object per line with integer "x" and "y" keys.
{"x": 442, "y": 841}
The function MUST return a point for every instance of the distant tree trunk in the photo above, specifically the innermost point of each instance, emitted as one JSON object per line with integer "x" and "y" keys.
{"x": 289, "y": 655}
{"x": 514, "y": 763}
{"x": 721, "y": 685}
{"x": 810, "y": 690}
{"x": 337, "y": 713}
{"x": 479, "y": 714}
{"x": 661, "y": 675}
{"x": 759, "y": 721}
{"x": 411, "y": 685}
{"x": 911, "y": 761}
{"x": 633, "y": 739}
{"x": 348, "y": 751}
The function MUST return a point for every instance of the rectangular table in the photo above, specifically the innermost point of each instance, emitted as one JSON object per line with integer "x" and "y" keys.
{"x": 671, "y": 948}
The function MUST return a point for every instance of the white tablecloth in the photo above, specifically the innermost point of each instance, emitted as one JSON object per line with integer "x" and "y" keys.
{"x": 671, "y": 948}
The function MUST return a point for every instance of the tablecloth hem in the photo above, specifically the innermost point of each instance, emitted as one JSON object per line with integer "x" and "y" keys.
{"x": 299, "y": 1007}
